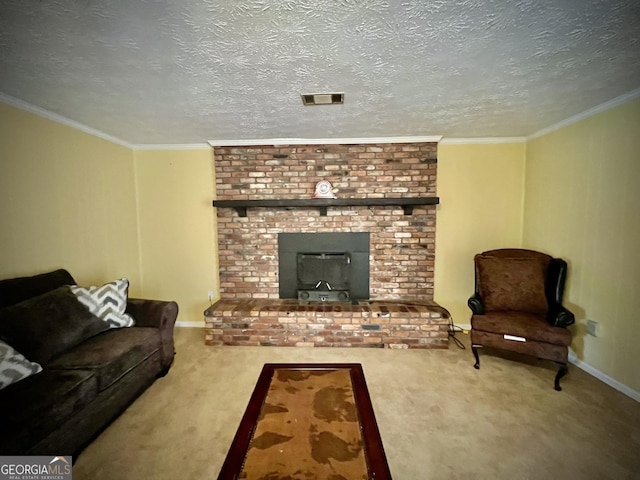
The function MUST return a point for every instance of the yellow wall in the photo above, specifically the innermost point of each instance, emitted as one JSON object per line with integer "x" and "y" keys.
{"x": 582, "y": 198}
{"x": 67, "y": 199}
{"x": 178, "y": 249}
{"x": 480, "y": 188}
{"x": 103, "y": 211}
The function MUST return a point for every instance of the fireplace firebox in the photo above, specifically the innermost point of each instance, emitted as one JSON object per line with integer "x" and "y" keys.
{"x": 324, "y": 276}
{"x": 324, "y": 266}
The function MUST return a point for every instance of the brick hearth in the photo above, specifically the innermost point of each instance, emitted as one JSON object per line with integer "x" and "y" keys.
{"x": 402, "y": 247}
{"x": 259, "y": 322}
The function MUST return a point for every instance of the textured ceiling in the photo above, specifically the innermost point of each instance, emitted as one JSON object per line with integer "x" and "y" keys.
{"x": 189, "y": 71}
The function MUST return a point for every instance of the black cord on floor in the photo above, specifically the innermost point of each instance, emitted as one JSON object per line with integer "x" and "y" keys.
{"x": 452, "y": 333}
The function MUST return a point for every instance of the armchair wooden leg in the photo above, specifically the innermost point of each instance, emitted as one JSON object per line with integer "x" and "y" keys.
{"x": 474, "y": 349}
{"x": 561, "y": 373}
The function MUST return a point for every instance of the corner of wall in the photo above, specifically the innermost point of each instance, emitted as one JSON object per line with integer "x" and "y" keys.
{"x": 136, "y": 182}
{"x": 523, "y": 200}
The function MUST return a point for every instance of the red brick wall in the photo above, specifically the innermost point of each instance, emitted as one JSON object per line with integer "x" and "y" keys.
{"x": 402, "y": 246}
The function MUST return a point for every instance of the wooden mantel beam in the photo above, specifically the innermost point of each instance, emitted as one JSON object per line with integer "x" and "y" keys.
{"x": 322, "y": 204}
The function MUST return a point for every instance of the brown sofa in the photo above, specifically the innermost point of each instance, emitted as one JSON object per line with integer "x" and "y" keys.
{"x": 90, "y": 374}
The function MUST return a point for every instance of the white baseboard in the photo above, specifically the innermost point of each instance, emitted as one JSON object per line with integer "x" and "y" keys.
{"x": 464, "y": 326}
{"x": 594, "y": 372}
{"x": 184, "y": 324}
{"x": 621, "y": 387}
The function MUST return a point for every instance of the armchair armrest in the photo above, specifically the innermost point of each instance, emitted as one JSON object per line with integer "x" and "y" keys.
{"x": 156, "y": 314}
{"x": 559, "y": 316}
{"x": 475, "y": 304}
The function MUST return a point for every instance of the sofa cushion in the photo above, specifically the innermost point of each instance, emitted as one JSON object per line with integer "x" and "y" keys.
{"x": 507, "y": 283}
{"x": 47, "y": 325}
{"x": 530, "y": 326}
{"x": 112, "y": 354}
{"x": 14, "y": 366}
{"x": 35, "y": 406}
{"x": 16, "y": 290}
{"x": 107, "y": 302}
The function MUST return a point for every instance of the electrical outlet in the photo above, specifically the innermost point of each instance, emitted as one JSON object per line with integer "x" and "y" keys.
{"x": 592, "y": 328}
{"x": 210, "y": 295}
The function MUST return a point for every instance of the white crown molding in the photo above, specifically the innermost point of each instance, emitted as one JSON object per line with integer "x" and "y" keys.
{"x": 482, "y": 140}
{"x": 627, "y": 97}
{"x": 22, "y": 105}
{"x": 168, "y": 146}
{"x": 41, "y": 112}
{"x": 322, "y": 141}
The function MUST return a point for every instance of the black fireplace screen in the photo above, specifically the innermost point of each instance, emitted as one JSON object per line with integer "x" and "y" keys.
{"x": 324, "y": 266}
{"x": 324, "y": 275}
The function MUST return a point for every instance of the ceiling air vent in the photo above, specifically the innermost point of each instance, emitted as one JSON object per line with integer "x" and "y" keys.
{"x": 322, "y": 98}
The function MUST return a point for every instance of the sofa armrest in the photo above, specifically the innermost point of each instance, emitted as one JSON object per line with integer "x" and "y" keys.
{"x": 156, "y": 314}
{"x": 475, "y": 304}
{"x": 152, "y": 313}
{"x": 559, "y": 316}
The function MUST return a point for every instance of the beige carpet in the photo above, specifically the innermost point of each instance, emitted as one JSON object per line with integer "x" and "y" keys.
{"x": 439, "y": 418}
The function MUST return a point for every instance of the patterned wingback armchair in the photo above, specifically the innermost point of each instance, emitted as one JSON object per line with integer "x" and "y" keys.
{"x": 517, "y": 306}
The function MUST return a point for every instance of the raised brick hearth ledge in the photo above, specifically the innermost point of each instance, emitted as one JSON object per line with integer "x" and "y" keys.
{"x": 268, "y": 322}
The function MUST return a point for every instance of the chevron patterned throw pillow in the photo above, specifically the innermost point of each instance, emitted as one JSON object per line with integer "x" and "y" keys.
{"x": 107, "y": 302}
{"x": 14, "y": 366}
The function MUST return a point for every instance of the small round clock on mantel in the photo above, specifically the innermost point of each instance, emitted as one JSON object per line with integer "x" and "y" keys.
{"x": 324, "y": 190}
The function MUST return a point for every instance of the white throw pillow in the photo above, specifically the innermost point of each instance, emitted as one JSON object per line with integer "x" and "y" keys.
{"x": 14, "y": 366}
{"x": 107, "y": 302}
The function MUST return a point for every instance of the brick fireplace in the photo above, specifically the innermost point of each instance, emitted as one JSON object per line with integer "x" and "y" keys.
{"x": 399, "y": 312}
